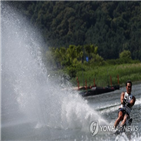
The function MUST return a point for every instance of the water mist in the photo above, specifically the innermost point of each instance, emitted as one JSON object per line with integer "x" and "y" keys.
{"x": 27, "y": 93}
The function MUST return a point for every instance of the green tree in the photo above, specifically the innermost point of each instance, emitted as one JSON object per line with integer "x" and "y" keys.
{"x": 126, "y": 54}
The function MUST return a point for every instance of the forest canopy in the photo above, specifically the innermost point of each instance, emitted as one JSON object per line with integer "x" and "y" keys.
{"x": 111, "y": 26}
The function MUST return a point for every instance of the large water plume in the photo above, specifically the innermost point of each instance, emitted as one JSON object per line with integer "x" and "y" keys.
{"x": 27, "y": 93}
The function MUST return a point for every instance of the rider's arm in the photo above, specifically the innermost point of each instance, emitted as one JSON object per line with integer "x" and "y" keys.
{"x": 122, "y": 97}
{"x": 132, "y": 102}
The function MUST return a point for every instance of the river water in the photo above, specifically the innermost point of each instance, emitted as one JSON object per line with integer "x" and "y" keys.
{"x": 106, "y": 105}
{"x": 35, "y": 107}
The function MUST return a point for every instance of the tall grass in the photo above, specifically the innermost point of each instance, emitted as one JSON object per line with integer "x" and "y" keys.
{"x": 102, "y": 74}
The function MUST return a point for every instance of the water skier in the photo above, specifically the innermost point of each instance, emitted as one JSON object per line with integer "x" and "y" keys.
{"x": 127, "y": 101}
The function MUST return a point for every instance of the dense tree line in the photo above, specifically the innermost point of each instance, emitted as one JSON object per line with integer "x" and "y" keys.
{"x": 112, "y": 26}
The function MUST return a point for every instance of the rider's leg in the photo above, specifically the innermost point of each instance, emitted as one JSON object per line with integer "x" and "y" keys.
{"x": 120, "y": 117}
{"x": 124, "y": 120}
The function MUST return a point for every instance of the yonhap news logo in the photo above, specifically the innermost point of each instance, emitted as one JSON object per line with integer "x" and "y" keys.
{"x": 95, "y": 128}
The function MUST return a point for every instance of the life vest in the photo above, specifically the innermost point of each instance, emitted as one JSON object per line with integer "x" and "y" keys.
{"x": 128, "y": 98}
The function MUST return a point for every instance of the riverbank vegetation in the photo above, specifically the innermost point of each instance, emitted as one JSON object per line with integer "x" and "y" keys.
{"x": 102, "y": 74}
{"x": 84, "y": 63}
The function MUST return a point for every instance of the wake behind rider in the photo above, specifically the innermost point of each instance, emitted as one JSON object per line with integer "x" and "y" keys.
{"x": 127, "y": 101}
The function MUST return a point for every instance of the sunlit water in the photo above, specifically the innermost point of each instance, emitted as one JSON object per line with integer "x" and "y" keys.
{"x": 34, "y": 107}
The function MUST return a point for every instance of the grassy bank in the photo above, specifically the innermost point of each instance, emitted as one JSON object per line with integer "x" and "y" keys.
{"x": 102, "y": 74}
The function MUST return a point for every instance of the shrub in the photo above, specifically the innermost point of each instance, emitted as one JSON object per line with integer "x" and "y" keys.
{"x": 126, "y": 54}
